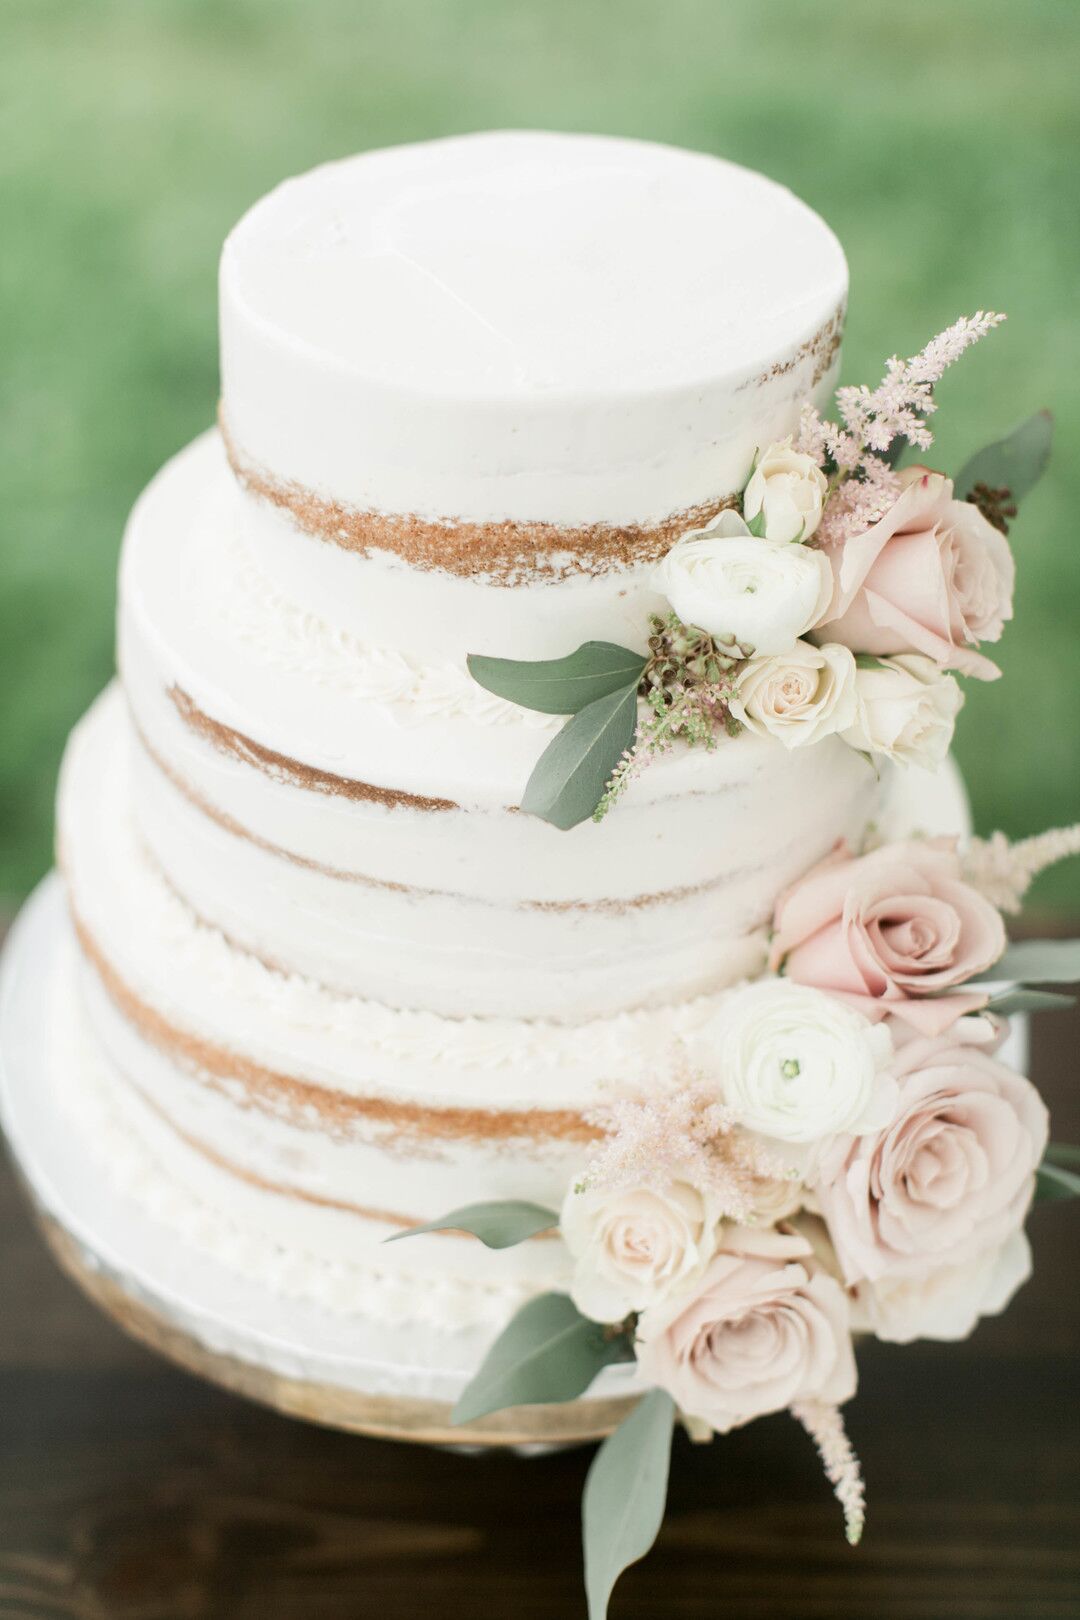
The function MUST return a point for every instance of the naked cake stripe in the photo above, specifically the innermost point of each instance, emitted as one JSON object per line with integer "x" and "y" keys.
{"x": 306, "y": 1104}
{"x": 281, "y": 1189}
{"x": 511, "y": 551}
{"x": 611, "y": 904}
{"x": 282, "y": 768}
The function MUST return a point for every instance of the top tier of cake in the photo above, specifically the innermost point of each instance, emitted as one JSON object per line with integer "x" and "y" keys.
{"x": 511, "y": 360}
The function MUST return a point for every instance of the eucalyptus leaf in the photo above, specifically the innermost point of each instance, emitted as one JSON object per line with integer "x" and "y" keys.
{"x": 625, "y": 1494}
{"x": 1021, "y": 1000}
{"x": 560, "y": 685}
{"x": 1054, "y": 1184}
{"x": 571, "y": 774}
{"x": 1015, "y": 463}
{"x": 1057, "y": 1177}
{"x": 548, "y": 1352}
{"x": 1037, "y": 961}
{"x": 498, "y": 1225}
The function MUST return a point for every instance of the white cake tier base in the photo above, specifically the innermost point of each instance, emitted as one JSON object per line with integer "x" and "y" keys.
{"x": 351, "y": 1373}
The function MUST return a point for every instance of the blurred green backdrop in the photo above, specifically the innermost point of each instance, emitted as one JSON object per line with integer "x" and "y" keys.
{"x": 939, "y": 138}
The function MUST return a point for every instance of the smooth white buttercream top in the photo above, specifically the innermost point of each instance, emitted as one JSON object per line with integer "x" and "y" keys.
{"x": 565, "y": 328}
{"x": 519, "y": 263}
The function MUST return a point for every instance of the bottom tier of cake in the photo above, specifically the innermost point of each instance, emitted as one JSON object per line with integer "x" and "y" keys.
{"x": 289, "y": 1128}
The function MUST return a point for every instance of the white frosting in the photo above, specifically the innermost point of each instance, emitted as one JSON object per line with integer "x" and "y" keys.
{"x": 709, "y": 839}
{"x": 520, "y": 325}
{"x": 149, "y": 1108}
{"x": 258, "y": 1234}
{"x": 300, "y": 1000}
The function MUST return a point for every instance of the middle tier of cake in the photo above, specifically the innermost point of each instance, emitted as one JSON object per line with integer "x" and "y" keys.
{"x": 347, "y": 813}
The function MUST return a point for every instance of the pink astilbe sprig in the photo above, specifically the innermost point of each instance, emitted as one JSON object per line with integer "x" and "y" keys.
{"x": 825, "y": 1426}
{"x": 678, "y": 1130}
{"x": 858, "y": 503}
{"x": 1003, "y": 871}
{"x": 872, "y": 419}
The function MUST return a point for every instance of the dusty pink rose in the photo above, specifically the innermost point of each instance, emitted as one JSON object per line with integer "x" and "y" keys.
{"x": 950, "y": 1178}
{"x": 894, "y": 932}
{"x": 932, "y": 576}
{"x": 765, "y": 1326}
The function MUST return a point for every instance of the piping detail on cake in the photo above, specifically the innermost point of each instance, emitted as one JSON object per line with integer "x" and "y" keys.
{"x": 627, "y": 1044}
{"x": 250, "y": 610}
{"x": 87, "y": 1092}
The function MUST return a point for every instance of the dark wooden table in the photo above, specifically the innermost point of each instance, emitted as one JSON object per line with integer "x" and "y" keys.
{"x": 131, "y": 1490}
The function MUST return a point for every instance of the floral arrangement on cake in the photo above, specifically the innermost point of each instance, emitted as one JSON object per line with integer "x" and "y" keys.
{"x": 854, "y": 1158}
{"x": 840, "y": 594}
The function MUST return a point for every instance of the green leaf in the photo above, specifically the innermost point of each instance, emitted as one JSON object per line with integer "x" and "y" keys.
{"x": 756, "y": 524}
{"x": 625, "y": 1494}
{"x": 1038, "y": 961}
{"x": 571, "y": 774}
{"x": 1015, "y": 463}
{"x": 1021, "y": 1000}
{"x": 560, "y": 685}
{"x": 548, "y": 1352}
{"x": 1054, "y": 1184}
{"x": 1056, "y": 1178}
{"x": 498, "y": 1225}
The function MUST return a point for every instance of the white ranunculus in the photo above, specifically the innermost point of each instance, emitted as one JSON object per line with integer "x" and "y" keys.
{"x": 724, "y": 581}
{"x": 946, "y": 1302}
{"x": 635, "y": 1247}
{"x": 906, "y": 709}
{"x": 788, "y": 489}
{"x": 799, "y": 1066}
{"x": 800, "y": 696}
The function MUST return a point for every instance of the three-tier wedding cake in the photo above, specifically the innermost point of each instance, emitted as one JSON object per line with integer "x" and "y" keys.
{"x": 472, "y": 392}
{"x": 523, "y": 825}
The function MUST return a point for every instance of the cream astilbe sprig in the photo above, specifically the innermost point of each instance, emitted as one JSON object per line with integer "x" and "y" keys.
{"x": 825, "y": 1426}
{"x": 677, "y": 1130}
{"x": 1003, "y": 871}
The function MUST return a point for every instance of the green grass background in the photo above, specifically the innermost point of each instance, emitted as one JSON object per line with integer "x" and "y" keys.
{"x": 940, "y": 138}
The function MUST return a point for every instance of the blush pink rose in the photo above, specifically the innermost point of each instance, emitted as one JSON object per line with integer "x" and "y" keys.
{"x": 764, "y": 1327}
{"x": 894, "y": 933}
{"x": 950, "y": 1178}
{"x": 932, "y": 576}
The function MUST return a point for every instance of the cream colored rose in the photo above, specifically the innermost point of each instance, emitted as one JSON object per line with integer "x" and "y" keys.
{"x": 798, "y": 697}
{"x": 905, "y": 709}
{"x": 949, "y": 1177}
{"x": 724, "y": 581}
{"x": 788, "y": 489}
{"x": 798, "y": 1066}
{"x": 945, "y": 1302}
{"x": 635, "y": 1247}
{"x": 765, "y": 1327}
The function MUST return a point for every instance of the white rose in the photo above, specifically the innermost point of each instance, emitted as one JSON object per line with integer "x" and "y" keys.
{"x": 798, "y": 1066}
{"x": 800, "y": 696}
{"x": 906, "y": 709}
{"x": 944, "y": 1303}
{"x": 728, "y": 583}
{"x": 788, "y": 489}
{"x": 635, "y": 1247}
